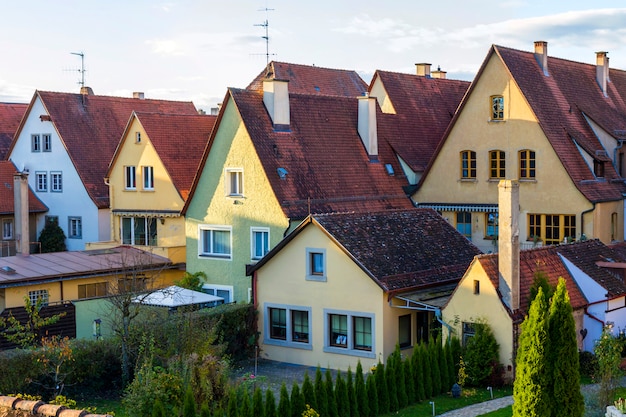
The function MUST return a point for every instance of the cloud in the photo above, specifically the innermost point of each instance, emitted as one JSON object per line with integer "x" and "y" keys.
{"x": 188, "y": 44}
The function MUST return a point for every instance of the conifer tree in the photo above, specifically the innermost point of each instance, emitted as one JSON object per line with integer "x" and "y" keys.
{"x": 455, "y": 351}
{"x": 409, "y": 381}
{"x": 233, "y": 404}
{"x": 481, "y": 353}
{"x": 158, "y": 410}
{"x": 403, "y": 399}
{"x": 257, "y": 402}
{"x": 270, "y": 404}
{"x": 205, "y": 411}
{"x": 245, "y": 409}
{"x": 341, "y": 395}
{"x": 433, "y": 355}
{"x": 320, "y": 393}
{"x": 418, "y": 373}
{"x": 451, "y": 366}
{"x": 189, "y": 404}
{"x": 391, "y": 376}
{"x": 360, "y": 392}
{"x": 530, "y": 396}
{"x": 354, "y": 407}
{"x": 382, "y": 389}
{"x": 308, "y": 392}
{"x": 427, "y": 371}
{"x": 443, "y": 366}
{"x": 297, "y": 401}
{"x": 284, "y": 406}
{"x": 330, "y": 394}
{"x": 566, "y": 399}
{"x": 372, "y": 396}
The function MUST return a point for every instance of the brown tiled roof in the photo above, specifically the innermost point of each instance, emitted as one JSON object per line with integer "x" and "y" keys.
{"x": 560, "y": 102}
{"x": 10, "y": 116}
{"x": 307, "y": 79}
{"x": 179, "y": 141}
{"x": 402, "y": 249}
{"x": 91, "y": 127}
{"x": 424, "y": 108}
{"x": 327, "y": 167}
{"x": 7, "y": 205}
{"x": 584, "y": 255}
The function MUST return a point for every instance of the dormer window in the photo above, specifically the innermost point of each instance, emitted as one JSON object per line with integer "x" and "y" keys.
{"x": 497, "y": 108}
{"x": 598, "y": 168}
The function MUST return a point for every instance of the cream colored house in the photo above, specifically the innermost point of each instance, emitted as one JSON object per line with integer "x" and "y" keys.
{"x": 344, "y": 288}
{"x": 556, "y": 126}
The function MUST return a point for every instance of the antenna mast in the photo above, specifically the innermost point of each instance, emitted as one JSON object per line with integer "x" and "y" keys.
{"x": 266, "y": 25}
{"x": 82, "y": 67}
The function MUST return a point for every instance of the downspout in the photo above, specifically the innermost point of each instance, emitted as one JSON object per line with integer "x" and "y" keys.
{"x": 621, "y": 143}
{"x": 587, "y": 313}
{"x": 582, "y": 219}
{"x": 443, "y": 323}
{"x": 111, "y": 215}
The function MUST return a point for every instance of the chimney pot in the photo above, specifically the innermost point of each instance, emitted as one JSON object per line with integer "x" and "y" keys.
{"x": 86, "y": 91}
{"x": 423, "y": 69}
{"x": 541, "y": 55}
{"x": 139, "y": 95}
{"x": 602, "y": 71}
{"x": 438, "y": 73}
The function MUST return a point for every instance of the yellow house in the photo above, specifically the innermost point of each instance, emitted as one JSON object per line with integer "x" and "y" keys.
{"x": 344, "y": 288}
{"x": 149, "y": 180}
{"x": 555, "y": 125}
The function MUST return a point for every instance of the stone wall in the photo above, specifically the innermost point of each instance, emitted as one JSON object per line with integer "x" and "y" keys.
{"x": 16, "y": 407}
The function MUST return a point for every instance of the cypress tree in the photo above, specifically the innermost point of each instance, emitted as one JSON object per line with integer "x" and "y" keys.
{"x": 418, "y": 373}
{"x": 382, "y": 389}
{"x": 341, "y": 395}
{"x": 372, "y": 396}
{"x": 270, "y": 404}
{"x": 284, "y": 407}
{"x": 320, "y": 393}
{"x": 297, "y": 401}
{"x": 433, "y": 354}
{"x": 409, "y": 381}
{"x": 566, "y": 399}
{"x": 427, "y": 371}
{"x": 330, "y": 394}
{"x": 443, "y": 366}
{"x": 391, "y": 377}
{"x": 530, "y": 396}
{"x": 308, "y": 392}
{"x": 360, "y": 392}
{"x": 481, "y": 353}
{"x": 455, "y": 351}
{"x": 189, "y": 404}
{"x": 205, "y": 411}
{"x": 245, "y": 409}
{"x": 451, "y": 366}
{"x": 233, "y": 403}
{"x": 158, "y": 410}
{"x": 403, "y": 398}
{"x": 354, "y": 407}
{"x": 257, "y": 402}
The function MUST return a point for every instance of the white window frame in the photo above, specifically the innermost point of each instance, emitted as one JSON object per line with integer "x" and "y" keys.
{"x": 349, "y": 349}
{"x": 35, "y": 143}
{"x": 130, "y": 177}
{"x": 253, "y": 247}
{"x": 210, "y": 228}
{"x": 147, "y": 173}
{"x": 56, "y": 181}
{"x": 134, "y": 222}
{"x": 7, "y": 229}
{"x": 289, "y": 340}
{"x": 74, "y": 227}
{"x": 46, "y": 142}
{"x": 233, "y": 189}
{"x": 41, "y": 181}
{"x": 214, "y": 288}
{"x": 34, "y": 295}
{"x": 310, "y": 274}
{"x": 137, "y": 137}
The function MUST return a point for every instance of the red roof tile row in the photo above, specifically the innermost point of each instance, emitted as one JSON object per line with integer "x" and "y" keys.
{"x": 10, "y": 116}
{"x": 7, "y": 204}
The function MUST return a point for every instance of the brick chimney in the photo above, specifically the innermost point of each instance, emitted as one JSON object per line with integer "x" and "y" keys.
{"x": 602, "y": 71}
{"x": 541, "y": 55}
{"x": 86, "y": 91}
{"x": 20, "y": 202}
{"x": 367, "y": 126}
{"x": 276, "y": 100}
{"x": 438, "y": 73}
{"x": 423, "y": 69}
{"x": 508, "y": 242}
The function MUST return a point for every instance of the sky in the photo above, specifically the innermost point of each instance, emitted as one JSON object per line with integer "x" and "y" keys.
{"x": 193, "y": 50}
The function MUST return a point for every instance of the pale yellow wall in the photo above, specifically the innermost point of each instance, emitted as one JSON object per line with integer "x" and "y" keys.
{"x": 282, "y": 281}
{"x": 602, "y": 223}
{"x": 552, "y": 192}
{"x": 465, "y": 306}
{"x": 232, "y": 148}
{"x": 378, "y": 91}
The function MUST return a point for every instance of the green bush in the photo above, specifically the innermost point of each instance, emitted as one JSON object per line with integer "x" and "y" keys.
{"x": 52, "y": 238}
{"x": 96, "y": 368}
{"x": 236, "y": 328}
{"x": 18, "y": 370}
{"x": 588, "y": 364}
{"x": 481, "y": 355}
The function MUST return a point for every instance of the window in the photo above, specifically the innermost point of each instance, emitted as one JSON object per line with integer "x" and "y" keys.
{"x": 224, "y": 291}
{"x": 469, "y": 330}
{"x": 404, "y": 330}
{"x": 215, "y": 241}
{"x": 234, "y": 182}
{"x": 260, "y": 239}
{"x": 7, "y": 229}
{"x": 129, "y": 178}
{"x": 41, "y": 180}
{"x": 97, "y": 289}
{"x": 552, "y": 229}
{"x": 132, "y": 283}
{"x": 75, "y": 228}
{"x": 496, "y": 165}
{"x": 491, "y": 225}
{"x": 35, "y": 143}
{"x": 497, "y": 108}
{"x": 56, "y": 182}
{"x": 47, "y": 142}
{"x": 349, "y": 333}
{"x": 137, "y": 137}
{"x": 468, "y": 165}
{"x": 315, "y": 264}
{"x": 464, "y": 223}
{"x": 148, "y": 178}
{"x": 526, "y": 164}
{"x": 38, "y": 296}
{"x": 598, "y": 168}
{"x": 476, "y": 287}
{"x": 287, "y": 325}
{"x": 139, "y": 231}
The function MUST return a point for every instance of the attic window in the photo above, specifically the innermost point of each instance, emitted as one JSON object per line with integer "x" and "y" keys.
{"x": 45, "y": 118}
{"x": 137, "y": 137}
{"x": 317, "y": 89}
{"x": 7, "y": 270}
{"x": 282, "y": 173}
{"x": 389, "y": 169}
{"x": 598, "y": 168}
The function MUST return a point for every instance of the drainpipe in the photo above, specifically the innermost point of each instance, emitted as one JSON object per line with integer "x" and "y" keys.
{"x": 443, "y": 323}
{"x": 621, "y": 143}
{"x": 582, "y": 219}
{"x": 111, "y": 216}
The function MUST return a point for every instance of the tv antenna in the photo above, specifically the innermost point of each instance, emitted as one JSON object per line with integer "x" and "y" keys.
{"x": 266, "y": 25}
{"x": 82, "y": 67}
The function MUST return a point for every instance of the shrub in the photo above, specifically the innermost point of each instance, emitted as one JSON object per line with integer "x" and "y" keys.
{"x": 588, "y": 364}
{"x": 52, "y": 238}
{"x": 19, "y": 369}
{"x": 481, "y": 354}
{"x": 360, "y": 392}
{"x": 297, "y": 401}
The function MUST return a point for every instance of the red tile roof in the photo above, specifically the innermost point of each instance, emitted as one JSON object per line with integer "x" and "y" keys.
{"x": 7, "y": 204}
{"x": 561, "y": 101}
{"x": 179, "y": 141}
{"x": 424, "y": 108}
{"x": 91, "y": 127}
{"x": 307, "y": 79}
{"x": 327, "y": 167}
{"x": 10, "y": 116}
{"x": 584, "y": 255}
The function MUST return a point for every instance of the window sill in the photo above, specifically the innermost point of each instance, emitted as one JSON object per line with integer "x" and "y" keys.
{"x": 472, "y": 180}
{"x": 495, "y": 180}
{"x": 148, "y": 190}
{"x": 284, "y": 343}
{"x": 350, "y": 352}
{"x": 496, "y": 121}
{"x": 528, "y": 180}
{"x": 208, "y": 256}
{"x": 318, "y": 278}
